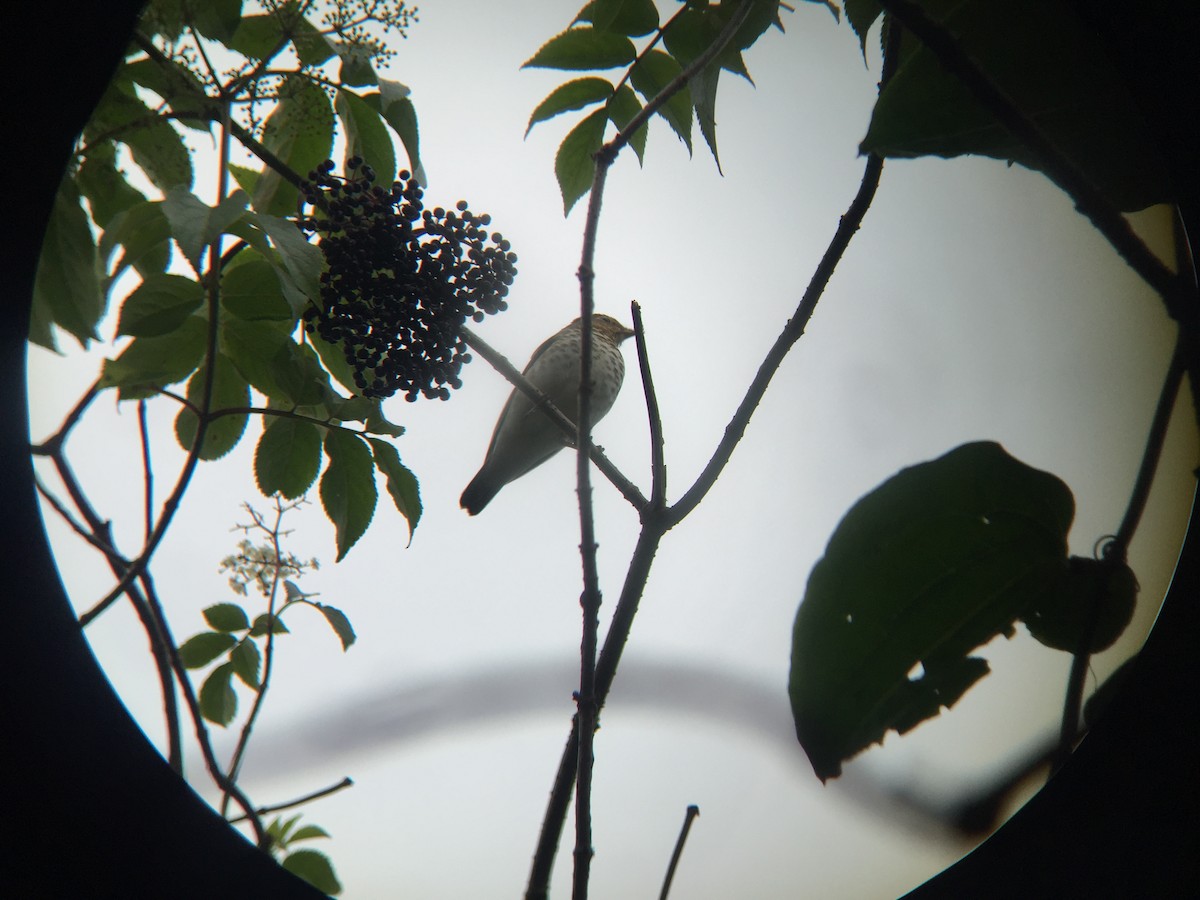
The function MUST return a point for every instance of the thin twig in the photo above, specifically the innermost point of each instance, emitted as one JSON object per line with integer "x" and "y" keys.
{"x": 692, "y": 812}
{"x": 658, "y": 467}
{"x": 189, "y": 694}
{"x": 147, "y": 470}
{"x": 299, "y": 801}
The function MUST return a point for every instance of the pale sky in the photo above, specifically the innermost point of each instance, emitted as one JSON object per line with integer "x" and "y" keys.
{"x": 973, "y": 304}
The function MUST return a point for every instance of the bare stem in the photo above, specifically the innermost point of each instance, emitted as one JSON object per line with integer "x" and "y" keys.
{"x": 692, "y": 812}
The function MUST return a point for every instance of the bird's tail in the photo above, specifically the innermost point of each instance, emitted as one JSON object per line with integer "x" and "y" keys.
{"x": 479, "y": 493}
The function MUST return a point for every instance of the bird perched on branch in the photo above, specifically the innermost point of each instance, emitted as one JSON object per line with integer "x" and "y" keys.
{"x": 525, "y": 437}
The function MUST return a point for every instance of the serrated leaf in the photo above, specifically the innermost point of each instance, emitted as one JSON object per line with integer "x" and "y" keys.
{"x": 356, "y": 69}
{"x": 348, "y": 492}
{"x": 366, "y": 135}
{"x": 378, "y": 423}
{"x": 194, "y": 224}
{"x": 861, "y": 14}
{"x": 333, "y": 358}
{"x": 401, "y": 482}
{"x": 287, "y": 457}
{"x": 300, "y": 132}
{"x": 143, "y": 231}
{"x": 583, "y": 48}
{"x": 103, "y": 184}
{"x": 575, "y": 163}
{"x": 653, "y": 72}
{"x": 251, "y": 290}
{"x": 931, "y": 564}
{"x": 149, "y": 363}
{"x": 630, "y": 17}
{"x": 218, "y": 700}
{"x": 201, "y": 649}
{"x": 1093, "y": 597}
{"x": 573, "y": 95}
{"x": 259, "y": 628}
{"x": 66, "y": 288}
{"x": 1057, "y": 73}
{"x": 247, "y": 660}
{"x": 315, "y": 868}
{"x": 226, "y": 617}
{"x": 339, "y": 623}
{"x": 398, "y": 111}
{"x": 272, "y": 362}
{"x": 300, "y": 263}
{"x": 229, "y": 391}
{"x": 155, "y": 145}
{"x": 622, "y": 107}
{"x": 217, "y": 19}
{"x": 159, "y": 305}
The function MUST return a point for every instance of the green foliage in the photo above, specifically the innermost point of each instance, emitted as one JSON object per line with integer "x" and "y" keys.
{"x": 311, "y": 865}
{"x": 1054, "y": 69}
{"x": 601, "y": 38}
{"x": 348, "y": 490}
{"x": 281, "y": 87}
{"x": 933, "y": 563}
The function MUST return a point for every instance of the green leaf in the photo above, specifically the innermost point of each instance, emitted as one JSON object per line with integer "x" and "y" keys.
{"x": 156, "y": 146}
{"x": 301, "y": 263}
{"x": 583, "y": 48}
{"x": 251, "y": 290}
{"x": 218, "y": 701}
{"x": 287, "y": 457}
{"x": 366, "y": 135}
{"x": 159, "y": 305}
{"x": 398, "y": 111}
{"x": 630, "y": 17}
{"x": 401, "y": 482}
{"x": 1058, "y": 74}
{"x": 655, "y": 71}
{"x": 226, "y": 617}
{"x": 1093, "y": 597}
{"x": 280, "y": 829}
{"x": 178, "y": 87}
{"x": 931, "y": 564}
{"x": 247, "y": 661}
{"x": 573, "y": 95}
{"x": 203, "y": 648}
{"x": 217, "y": 19}
{"x": 333, "y": 357}
{"x": 66, "y": 289}
{"x": 144, "y": 232}
{"x": 259, "y": 628}
{"x": 622, "y": 108}
{"x": 575, "y": 163}
{"x": 229, "y": 391}
{"x": 377, "y": 422}
{"x": 273, "y": 363}
{"x": 308, "y": 832}
{"x": 339, "y": 623}
{"x": 315, "y": 868}
{"x": 194, "y": 224}
{"x": 300, "y": 132}
{"x": 861, "y": 14}
{"x": 356, "y": 69}
{"x": 149, "y": 363}
{"x": 348, "y": 491}
{"x": 104, "y": 186}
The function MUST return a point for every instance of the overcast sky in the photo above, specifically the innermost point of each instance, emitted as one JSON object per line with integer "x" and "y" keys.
{"x": 974, "y": 304}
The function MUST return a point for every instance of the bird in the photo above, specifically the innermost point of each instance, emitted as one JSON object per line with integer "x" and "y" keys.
{"x": 524, "y": 436}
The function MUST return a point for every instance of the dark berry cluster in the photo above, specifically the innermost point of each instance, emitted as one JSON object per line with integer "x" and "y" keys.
{"x": 402, "y": 279}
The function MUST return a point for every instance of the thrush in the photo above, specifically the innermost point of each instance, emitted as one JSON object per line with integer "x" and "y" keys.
{"x": 525, "y": 437}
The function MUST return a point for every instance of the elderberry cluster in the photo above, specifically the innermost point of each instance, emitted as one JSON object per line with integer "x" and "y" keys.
{"x": 402, "y": 279}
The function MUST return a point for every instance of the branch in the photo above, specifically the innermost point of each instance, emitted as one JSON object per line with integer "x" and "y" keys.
{"x": 692, "y": 812}
{"x": 299, "y": 801}
{"x": 658, "y": 468}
